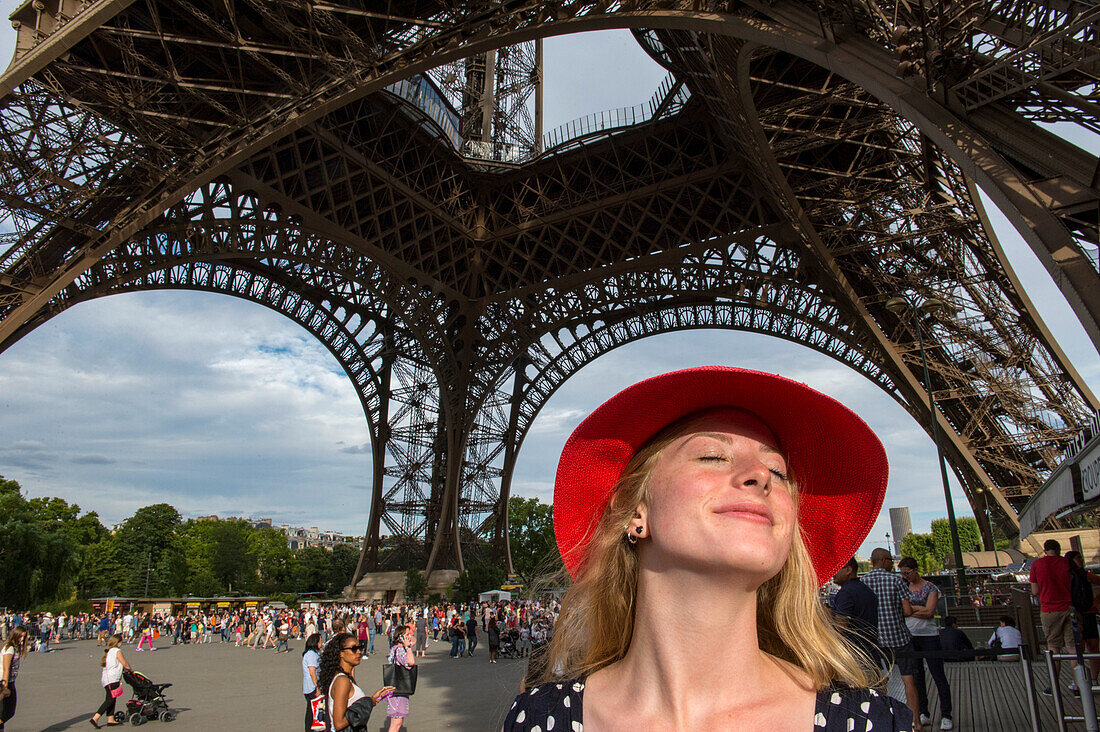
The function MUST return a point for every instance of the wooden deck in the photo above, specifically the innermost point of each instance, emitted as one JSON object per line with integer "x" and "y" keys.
{"x": 989, "y": 696}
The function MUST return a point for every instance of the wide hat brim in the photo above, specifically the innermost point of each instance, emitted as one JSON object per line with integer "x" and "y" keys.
{"x": 838, "y": 462}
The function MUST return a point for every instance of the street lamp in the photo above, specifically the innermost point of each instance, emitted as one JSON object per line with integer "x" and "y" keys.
{"x": 989, "y": 519}
{"x": 901, "y": 306}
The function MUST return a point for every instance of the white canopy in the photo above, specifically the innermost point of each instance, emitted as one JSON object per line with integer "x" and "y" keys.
{"x": 494, "y": 596}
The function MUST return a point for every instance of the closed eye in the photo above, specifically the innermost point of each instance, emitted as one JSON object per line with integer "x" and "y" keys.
{"x": 778, "y": 474}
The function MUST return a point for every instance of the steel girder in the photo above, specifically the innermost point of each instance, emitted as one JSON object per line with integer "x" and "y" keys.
{"x": 488, "y": 279}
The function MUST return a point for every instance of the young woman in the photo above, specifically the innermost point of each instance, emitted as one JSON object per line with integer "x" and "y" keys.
{"x": 337, "y": 674}
{"x": 311, "y": 660}
{"x": 397, "y": 707}
{"x": 110, "y": 678}
{"x": 493, "y": 636}
{"x": 12, "y": 653}
{"x": 698, "y": 512}
{"x": 924, "y": 597}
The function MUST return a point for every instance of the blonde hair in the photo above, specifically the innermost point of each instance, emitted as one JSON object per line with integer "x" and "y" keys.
{"x": 115, "y": 641}
{"x": 596, "y": 623}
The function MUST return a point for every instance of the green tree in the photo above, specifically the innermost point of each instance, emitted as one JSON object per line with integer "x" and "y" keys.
{"x": 272, "y": 556}
{"x": 143, "y": 539}
{"x": 415, "y": 584}
{"x": 38, "y": 559}
{"x": 232, "y": 565}
{"x": 477, "y": 578}
{"x": 311, "y": 569}
{"x": 103, "y": 571}
{"x": 56, "y": 516}
{"x": 970, "y": 539}
{"x": 344, "y": 559}
{"x": 531, "y": 538}
{"x": 920, "y": 548}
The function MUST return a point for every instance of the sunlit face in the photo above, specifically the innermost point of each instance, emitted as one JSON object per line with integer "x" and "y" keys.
{"x": 719, "y": 500}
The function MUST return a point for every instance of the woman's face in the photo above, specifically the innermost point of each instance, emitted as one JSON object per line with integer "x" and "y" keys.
{"x": 719, "y": 500}
{"x": 352, "y": 653}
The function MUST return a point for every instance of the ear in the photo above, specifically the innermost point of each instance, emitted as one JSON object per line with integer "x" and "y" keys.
{"x": 639, "y": 525}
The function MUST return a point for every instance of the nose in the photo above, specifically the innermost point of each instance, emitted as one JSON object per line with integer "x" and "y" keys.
{"x": 753, "y": 475}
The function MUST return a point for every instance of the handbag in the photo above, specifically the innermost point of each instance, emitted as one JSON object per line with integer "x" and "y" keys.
{"x": 116, "y": 689}
{"x": 402, "y": 678}
{"x": 318, "y": 721}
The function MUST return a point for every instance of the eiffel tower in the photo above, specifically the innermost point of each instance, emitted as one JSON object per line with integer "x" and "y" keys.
{"x": 378, "y": 173}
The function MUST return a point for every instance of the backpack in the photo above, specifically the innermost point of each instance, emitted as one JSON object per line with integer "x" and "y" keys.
{"x": 1080, "y": 592}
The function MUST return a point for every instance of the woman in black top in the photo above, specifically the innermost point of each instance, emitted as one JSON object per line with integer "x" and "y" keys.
{"x": 493, "y": 636}
{"x": 698, "y": 512}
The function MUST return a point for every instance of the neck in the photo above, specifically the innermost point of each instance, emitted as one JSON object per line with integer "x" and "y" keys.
{"x": 693, "y": 632}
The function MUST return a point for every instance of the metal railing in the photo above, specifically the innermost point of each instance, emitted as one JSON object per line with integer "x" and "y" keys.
{"x": 422, "y": 93}
{"x": 670, "y": 97}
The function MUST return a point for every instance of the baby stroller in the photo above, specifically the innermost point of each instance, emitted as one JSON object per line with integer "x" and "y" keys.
{"x": 147, "y": 703}
{"x": 508, "y": 644}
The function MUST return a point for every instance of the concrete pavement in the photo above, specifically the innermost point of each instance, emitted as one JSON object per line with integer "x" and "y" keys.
{"x": 219, "y": 687}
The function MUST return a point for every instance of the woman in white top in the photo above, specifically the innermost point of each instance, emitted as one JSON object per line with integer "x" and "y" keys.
{"x": 924, "y": 598}
{"x": 15, "y": 647}
{"x": 1009, "y": 636}
{"x": 336, "y": 673}
{"x": 113, "y": 662}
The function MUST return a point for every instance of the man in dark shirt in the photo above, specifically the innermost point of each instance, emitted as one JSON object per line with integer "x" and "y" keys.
{"x": 856, "y": 608}
{"x": 953, "y": 639}
{"x": 471, "y": 634}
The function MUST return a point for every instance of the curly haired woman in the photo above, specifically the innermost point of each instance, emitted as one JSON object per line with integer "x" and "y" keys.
{"x": 336, "y": 673}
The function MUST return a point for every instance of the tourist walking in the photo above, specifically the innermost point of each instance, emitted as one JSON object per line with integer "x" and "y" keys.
{"x": 336, "y": 673}
{"x": 397, "y": 707}
{"x": 471, "y": 635}
{"x": 146, "y": 626}
{"x": 110, "y": 678}
{"x": 362, "y": 632}
{"x": 422, "y": 633}
{"x": 688, "y": 538}
{"x": 924, "y": 598}
{"x": 1050, "y": 582}
{"x": 11, "y": 655}
{"x": 492, "y": 635}
{"x": 284, "y": 635}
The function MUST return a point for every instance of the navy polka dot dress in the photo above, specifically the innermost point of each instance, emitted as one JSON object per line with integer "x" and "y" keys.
{"x": 552, "y": 707}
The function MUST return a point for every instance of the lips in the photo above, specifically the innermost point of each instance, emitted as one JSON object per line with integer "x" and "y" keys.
{"x": 747, "y": 510}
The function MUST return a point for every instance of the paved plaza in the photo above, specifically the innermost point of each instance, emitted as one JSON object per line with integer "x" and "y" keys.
{"x": 219, "y": 687}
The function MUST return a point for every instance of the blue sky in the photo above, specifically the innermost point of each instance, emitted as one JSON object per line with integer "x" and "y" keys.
{"x": 220, "y": 406}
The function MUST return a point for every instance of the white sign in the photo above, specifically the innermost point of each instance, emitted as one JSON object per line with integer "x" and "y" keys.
{"x": 1089, "y": 462}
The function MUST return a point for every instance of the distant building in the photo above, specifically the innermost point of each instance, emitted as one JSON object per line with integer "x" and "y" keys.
{"x": 900, "y": 526}
{"x": 299, "y": 538}
{"x": 211, "y": 517}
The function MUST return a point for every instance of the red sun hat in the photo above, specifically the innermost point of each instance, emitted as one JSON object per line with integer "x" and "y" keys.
{"x": 838, "y": 462}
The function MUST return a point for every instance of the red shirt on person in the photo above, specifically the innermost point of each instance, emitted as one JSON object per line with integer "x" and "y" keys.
{"x": 1052, "y": 576}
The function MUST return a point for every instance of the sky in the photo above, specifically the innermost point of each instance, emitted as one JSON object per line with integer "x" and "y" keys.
{"x": 220, "y": 406}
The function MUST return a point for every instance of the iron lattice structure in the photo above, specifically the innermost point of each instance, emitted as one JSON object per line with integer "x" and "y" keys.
{"x": 377, "y": 173}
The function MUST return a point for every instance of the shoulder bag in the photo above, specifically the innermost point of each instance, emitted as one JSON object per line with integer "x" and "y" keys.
{"x": 401, "y": 677}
